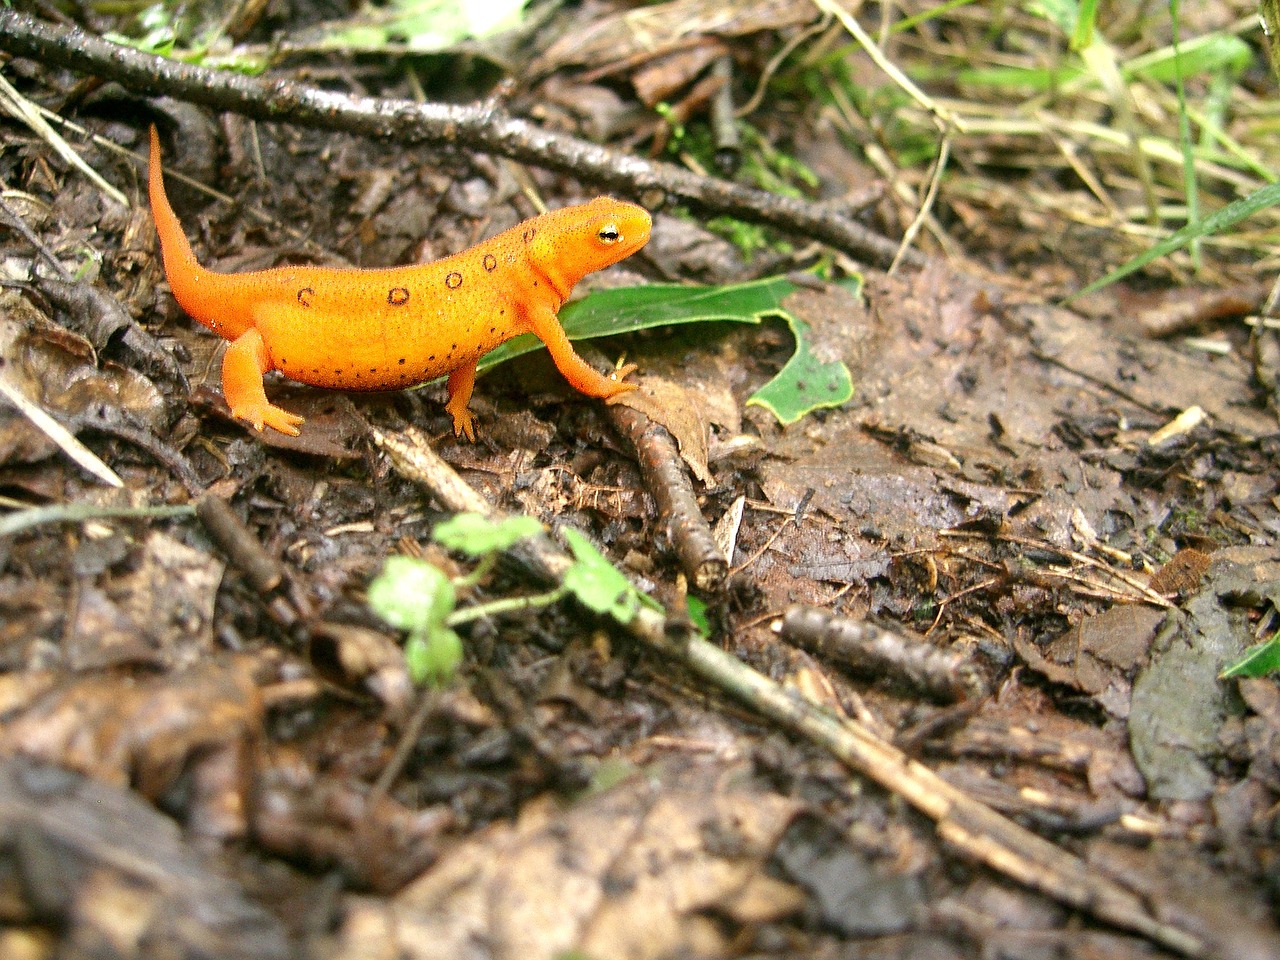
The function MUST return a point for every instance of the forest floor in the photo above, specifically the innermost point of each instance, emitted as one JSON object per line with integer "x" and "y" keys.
{"x": 975, "y": 615}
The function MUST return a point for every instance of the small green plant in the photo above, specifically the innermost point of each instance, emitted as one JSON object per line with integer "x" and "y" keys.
{"x": 174, "y": 31}
{"x": 424, "y": 26}
{"x": 414, "y": 596}
{"x": 417, "y": 597}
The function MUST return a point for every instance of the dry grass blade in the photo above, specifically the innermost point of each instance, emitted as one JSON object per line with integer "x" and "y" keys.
{"x": 20, "y": 108}
{"x": 61, "y": 436}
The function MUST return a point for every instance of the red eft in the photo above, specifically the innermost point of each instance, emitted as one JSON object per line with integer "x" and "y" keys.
{"x": 396, "y": 327}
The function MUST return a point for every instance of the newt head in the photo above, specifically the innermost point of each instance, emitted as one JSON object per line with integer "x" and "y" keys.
{"x": 614, "y": 229}
{"x": 572, "y": 242}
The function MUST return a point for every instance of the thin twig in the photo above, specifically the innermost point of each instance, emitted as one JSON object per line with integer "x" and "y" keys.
{"x": 23, "y": 109}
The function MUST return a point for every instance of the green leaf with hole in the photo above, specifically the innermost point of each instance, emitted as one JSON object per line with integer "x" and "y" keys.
{"x": 474, "y": 535}
{"x": 804, "y": 384}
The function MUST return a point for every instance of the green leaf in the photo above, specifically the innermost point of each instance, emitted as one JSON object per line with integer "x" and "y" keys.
{"x": 1228, "y": 216}
{"x": 1257, "y": 661}
{"x": 1016, "y": 78}
{"x": 1209, "y": 54}
{"x": 425, "y": 26}
{"x": 598, "y": 584}
{"x": 804, "y": 384}
{"x": 1086, "y": 22}
{"x": 433, "y": 656}
{"x": 474, "y": 535}
{"x": 1065, "y": 13}
{"x": 411, "y": 594}
{"x": 697, "y": 608}
{"x": 607, "y": 313}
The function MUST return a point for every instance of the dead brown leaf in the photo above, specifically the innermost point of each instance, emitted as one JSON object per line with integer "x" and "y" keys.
{"x": 634, "y": 872}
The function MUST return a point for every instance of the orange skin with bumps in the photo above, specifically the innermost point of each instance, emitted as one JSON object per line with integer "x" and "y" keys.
{"x": 397, "y": 327}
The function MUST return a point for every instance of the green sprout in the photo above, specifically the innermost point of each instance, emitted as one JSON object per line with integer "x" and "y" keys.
{"x": 419, "y": 598}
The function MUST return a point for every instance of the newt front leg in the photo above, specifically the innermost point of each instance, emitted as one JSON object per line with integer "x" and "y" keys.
{"x": 545, "y": 325}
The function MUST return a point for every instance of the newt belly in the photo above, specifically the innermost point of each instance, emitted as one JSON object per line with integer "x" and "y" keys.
{"x": 397, "y": 327}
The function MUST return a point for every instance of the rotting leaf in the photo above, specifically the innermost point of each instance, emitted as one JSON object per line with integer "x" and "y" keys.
{"x": 110, "y": 862}
{"x": 678, "y": 409}
{"x": 853, "y": 893}
{"x": 193, "y": 725}
{"x": 1179, "y": 700}
{"x": 55, "y": 368}
{"x": 806, "y": 383}
{"x": 161, "y": 611}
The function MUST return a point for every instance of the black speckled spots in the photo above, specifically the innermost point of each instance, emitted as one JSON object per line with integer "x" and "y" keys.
{"x": 454, "y": 280}
{"x": 402, "y": 361}
{"x": 530, "y": 234}
{"x": 305, "y": 295}
{"x": 490, "y": 263}
{"x": 398, "y": 296}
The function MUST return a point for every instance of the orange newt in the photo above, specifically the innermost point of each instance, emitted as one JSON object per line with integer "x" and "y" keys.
{"x": 397, "y": 327}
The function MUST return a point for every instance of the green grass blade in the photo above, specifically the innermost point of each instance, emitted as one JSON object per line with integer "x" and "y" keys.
{"x": 1223, "y": 219}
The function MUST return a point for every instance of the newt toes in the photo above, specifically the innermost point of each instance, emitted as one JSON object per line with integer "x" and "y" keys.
{"x": 397, "y": 327}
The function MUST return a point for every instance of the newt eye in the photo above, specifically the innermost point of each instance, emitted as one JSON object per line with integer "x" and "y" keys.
{"x": 609, "y": 233}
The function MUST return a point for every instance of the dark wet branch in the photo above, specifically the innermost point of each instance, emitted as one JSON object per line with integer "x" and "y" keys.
{"x": 474, "y": 127}
{"x": 666, "y": 478}
{"x": 874, "y": 651}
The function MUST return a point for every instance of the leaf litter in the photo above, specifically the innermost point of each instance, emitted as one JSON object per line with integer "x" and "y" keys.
{"x": 991, "y": 488}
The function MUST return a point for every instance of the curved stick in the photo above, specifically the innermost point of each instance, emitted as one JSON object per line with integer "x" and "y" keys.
{"x": 476, "y": 127}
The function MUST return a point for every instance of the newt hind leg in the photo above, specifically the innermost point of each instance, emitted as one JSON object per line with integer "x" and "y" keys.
{"x": 243, "y": 365}
{"x": 461, "y": 382}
